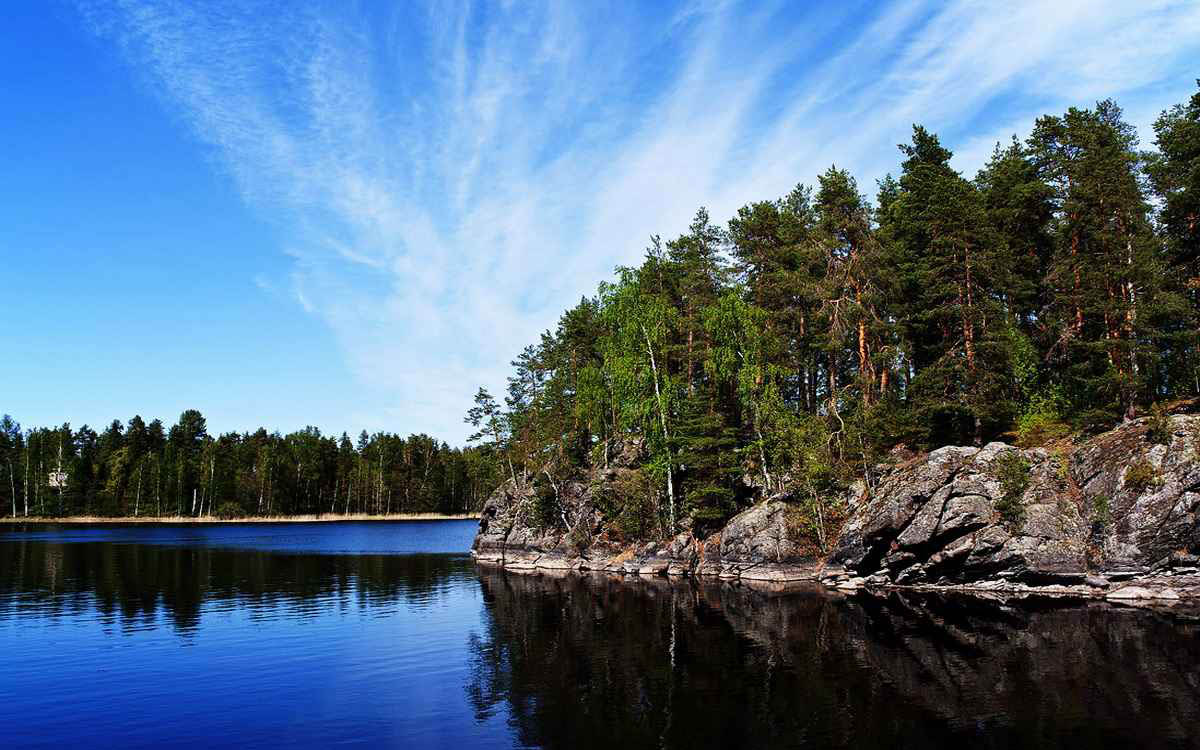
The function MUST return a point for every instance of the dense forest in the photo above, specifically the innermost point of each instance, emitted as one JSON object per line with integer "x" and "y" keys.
{"x": 806, "y": 342}
{"x": 817, "y": 336}
{"x": 147, "y": 469}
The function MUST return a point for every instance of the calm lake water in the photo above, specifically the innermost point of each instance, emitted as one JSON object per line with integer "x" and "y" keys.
{"x": 387, "y": 634}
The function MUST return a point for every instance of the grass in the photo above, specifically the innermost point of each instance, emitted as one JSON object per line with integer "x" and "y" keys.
{"x": 326, "y": 517}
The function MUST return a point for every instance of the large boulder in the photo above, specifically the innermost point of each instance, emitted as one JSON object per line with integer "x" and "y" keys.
{"x": 1140, "y": 524}
{"x": 760, "y": 534}
{"x": 936, "y": 520}
{"x": 1117, "y": 504}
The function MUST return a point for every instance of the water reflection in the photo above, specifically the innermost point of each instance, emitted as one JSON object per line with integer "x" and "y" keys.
{"x": 195, "y": 644}
{"x": 132, "y": 584}
{"x": 583, "y": 662}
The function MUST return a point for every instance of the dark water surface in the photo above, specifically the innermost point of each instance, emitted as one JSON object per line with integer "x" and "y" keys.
{"x": 387, "y": 634}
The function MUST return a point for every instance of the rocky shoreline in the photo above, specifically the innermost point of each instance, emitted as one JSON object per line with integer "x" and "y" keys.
{"x": 1116, "y": 517}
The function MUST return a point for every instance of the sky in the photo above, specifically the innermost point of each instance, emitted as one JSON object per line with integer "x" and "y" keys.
{"x": 352, "y": 215}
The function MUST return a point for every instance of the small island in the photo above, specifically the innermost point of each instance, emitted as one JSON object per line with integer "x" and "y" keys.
{"x": 981, "y": 383}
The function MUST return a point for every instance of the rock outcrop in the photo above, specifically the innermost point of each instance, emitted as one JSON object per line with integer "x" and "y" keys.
{"x": 1115, "y": 516}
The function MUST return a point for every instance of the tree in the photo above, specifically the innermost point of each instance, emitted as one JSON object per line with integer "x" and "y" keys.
{"x": 640, "y": 321}
{"x": 951, "y": 280}
{"x": 1019, "y": 206}
{"x": 11, "y": 446}
{"x": 850, "y": 297}
{"x": 489, "y": 421}
{"x": 1105, "y": 268}
{"x": 186, "y": 439}
{"x": 779, "y": 262}
{"x": 1174, "y": 173}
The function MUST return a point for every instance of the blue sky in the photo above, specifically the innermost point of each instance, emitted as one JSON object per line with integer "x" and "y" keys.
{"x": 353, "y": 214}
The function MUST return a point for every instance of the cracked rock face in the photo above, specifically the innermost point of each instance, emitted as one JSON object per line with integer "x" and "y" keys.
{"x": 760, "y": 535}
{"x": 935, "y": 520}
{"x": 1085, "y": 522}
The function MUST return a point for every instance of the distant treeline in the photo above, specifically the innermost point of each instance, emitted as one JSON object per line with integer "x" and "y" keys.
{"x": 147, "y": 469}
{"x": 1055, "y": 292}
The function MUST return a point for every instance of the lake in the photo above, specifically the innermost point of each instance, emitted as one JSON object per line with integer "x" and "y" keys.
{"x": 387, "y": 634}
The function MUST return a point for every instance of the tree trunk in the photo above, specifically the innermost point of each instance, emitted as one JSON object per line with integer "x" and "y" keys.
{"x": 212, "y": 467}
{"x": 1078, "y": 283}
{"x": 762, "y": 455}
{"x": 662, "y": 418}
{"x": 968, "y": 313}
{"x": 25, "y": 489}
{"x": 691, "y": 371}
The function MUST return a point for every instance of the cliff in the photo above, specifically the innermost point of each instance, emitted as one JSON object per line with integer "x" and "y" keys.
{"x": 1114, "y": 516}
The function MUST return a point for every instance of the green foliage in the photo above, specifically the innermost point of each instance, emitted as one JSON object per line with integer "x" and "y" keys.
{"x": 1043, "y": 406}
{"x": 1012, "y": 469}
{"x": 628, "y": 504}
{"x": 1102, "y": 510}
{"x": 1174, "y": 172}
{"x": 1141, "y": 475}
{"x": 544, "y": 507}
{"x": 579, "y": 538}
{"x": 1042, "y": 420}
{"x": 147, "y": 469}
{"x": 1035, "y": 300}
{"x": 706, "y": 449}
{"x": 815, "y": 522}
{"x": 1158, "y": 425}
{"x": 229, "y": 510}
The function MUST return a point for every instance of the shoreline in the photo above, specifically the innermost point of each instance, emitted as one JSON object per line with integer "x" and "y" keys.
{"x": 174, "y": 520}
{"x": 1147, "y": 589}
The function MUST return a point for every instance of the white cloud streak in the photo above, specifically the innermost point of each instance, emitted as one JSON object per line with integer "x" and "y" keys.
{"x": 450, "y": 179}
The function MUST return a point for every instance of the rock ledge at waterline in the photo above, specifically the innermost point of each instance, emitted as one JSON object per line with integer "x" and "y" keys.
{"x": 930, "y": 523}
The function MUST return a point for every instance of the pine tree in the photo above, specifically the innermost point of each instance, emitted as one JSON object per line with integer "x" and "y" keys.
{"x": 780, "y": 265}
{"x": 1105, "y": 268}
{"x": 1174, "y": 173}
{"x": 1019, "y": 210}
{"x": 854, "y": 329}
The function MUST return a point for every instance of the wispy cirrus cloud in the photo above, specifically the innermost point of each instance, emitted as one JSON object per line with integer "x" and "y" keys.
{"x": 448, "y": 179}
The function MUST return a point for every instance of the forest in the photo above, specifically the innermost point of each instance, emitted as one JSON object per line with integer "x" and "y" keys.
{"x": 815, "y": 337}
{"x": 807, "y": 342}
{"x": 147, "y": 469}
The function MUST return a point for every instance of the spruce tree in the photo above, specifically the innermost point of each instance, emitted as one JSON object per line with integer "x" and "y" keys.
{"x": 948, "y": 279}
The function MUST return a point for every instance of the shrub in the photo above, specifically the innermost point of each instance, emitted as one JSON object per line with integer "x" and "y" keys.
{"x": 628, "y": 505}
{"x": 579, "y": 538}
{"x": 1101, "y": 515}
{"x": 1158, "y": 426}
{"x": 229, "y": 510}
{"x": 544, "y": 511}
{"x": 815, "y": 521}
{"x": 1095, "y": 421}
{"x": 1012, "y": 469}
{"x": 1141, "y": 476}
{"x": 1062, "y": 464}
{"x": 1041, "y": 421}
{"x": 1038, "y": 430}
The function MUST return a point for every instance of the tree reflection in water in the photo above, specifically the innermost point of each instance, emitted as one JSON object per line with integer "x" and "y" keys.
{"x": 131, "y": 585}
{"x": 583, "y": 661}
